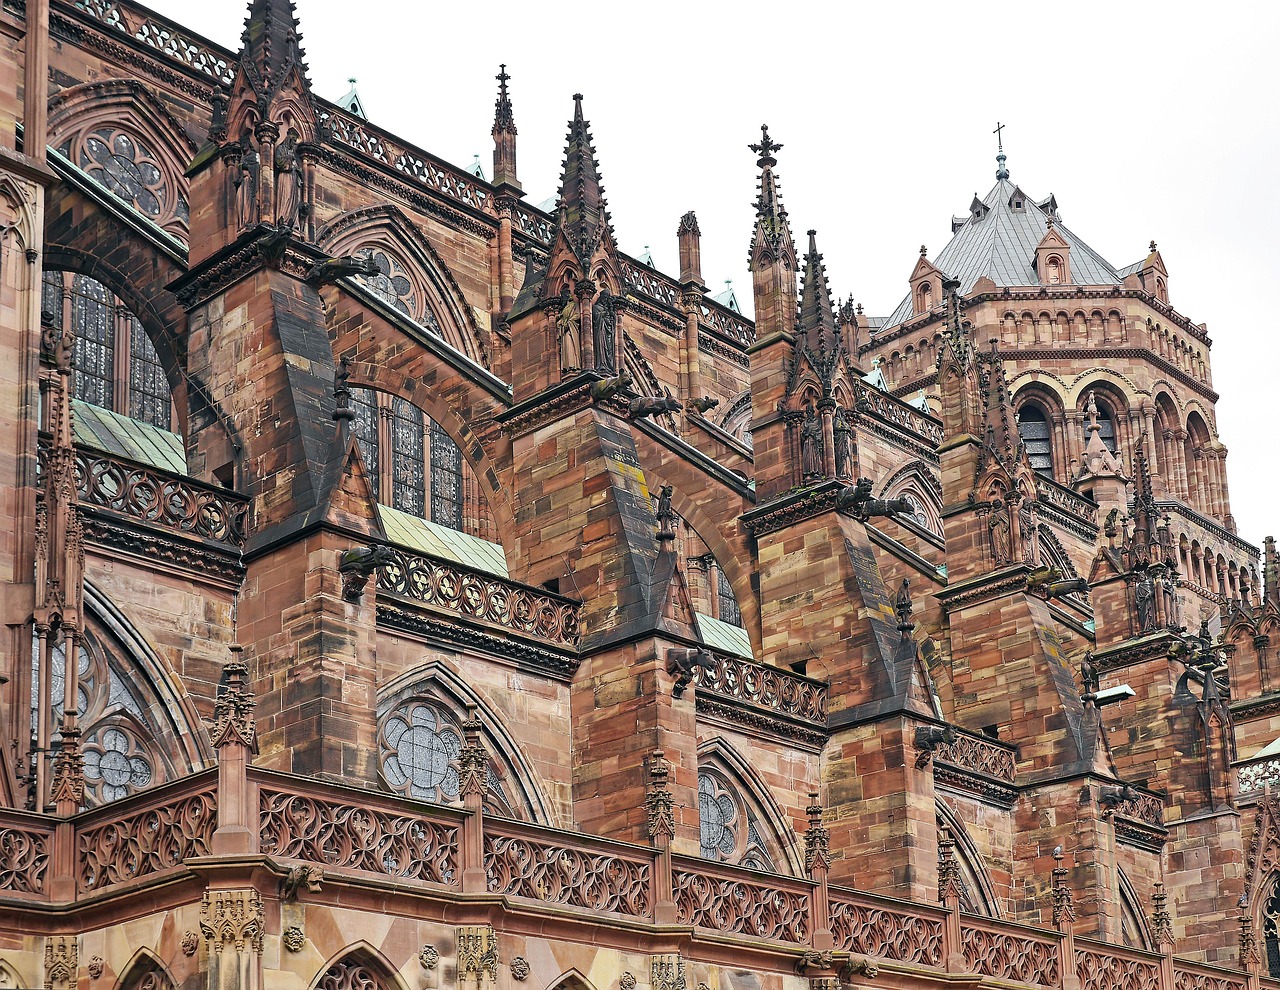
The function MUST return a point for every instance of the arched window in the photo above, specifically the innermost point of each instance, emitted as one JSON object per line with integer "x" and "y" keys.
{"x": 1054, "y": 270}
{"x": 415, "y": 466}
{"x": 1271, "y": 932}
{"x": 1106, "y": 427}
{"x": 116, "y": 365}
{"x": 976, "y": 893}
{"x": 727, "y": 602}
{"x": 1033, "y": 428}
{"x": 924, "y": 297}
{"x": 1162, "y": 291}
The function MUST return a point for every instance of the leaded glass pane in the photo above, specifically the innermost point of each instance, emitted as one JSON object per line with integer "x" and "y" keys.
{"x": 446, "y": 479}
{"x": 729, "y": 611}
{"x": 408, "y": 470}
{"x": 51, "y": 298}
{"x": 1107, "y": 429}
{"x": 1034, "y": 430}
{"x": 149, "y": 398}
{"x": 365, "y": 405}
{"x": 93, "y": 358}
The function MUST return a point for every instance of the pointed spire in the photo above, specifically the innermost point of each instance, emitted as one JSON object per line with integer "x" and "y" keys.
{"x": 271, "y": 47}
{"x": 504, "y": 134}
{"x": 582, "y": 214}
{"x": 771, "y": 215}
{"x": 1271, "y": 572}
{"x": 816, "y": 312}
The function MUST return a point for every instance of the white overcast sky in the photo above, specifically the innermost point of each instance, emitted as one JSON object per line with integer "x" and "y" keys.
{"x": 1148, "y": 121}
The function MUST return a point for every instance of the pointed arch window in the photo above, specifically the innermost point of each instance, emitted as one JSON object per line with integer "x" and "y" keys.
{"x": 1033, "y": 428}
{"x": 1271, "y": 932}
{"x": 737, "y": 824}
{"x": 1107, "y": 427}
{"x": 446, "y": 479}
{"x": 115, "y": 363}
{"x": 727, "y": 602}
{"x": 408, "y": 465}
{"x": 1054, "y": 267}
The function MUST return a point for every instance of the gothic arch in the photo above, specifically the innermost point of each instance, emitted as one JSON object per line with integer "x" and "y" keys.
{"x": 358, "y": 966}
{"x": 18, "y": 216}
{"x": 517, "y": 788}
{"x": 572, "y": 979}
{"x": 1133, "y": 920}
{"x": 145, "y": 971}
{"x": 917, "y": 482}
{"x": 123, "y": 137}
{"x": 980, "y": 897}
{"x": 1054, "y": 554}
{"x": 439, "y": 304}
{"x": 741, "y": 823}
{"x": 736, "y": 420}
{"x": 9, "y": 978}
{"x": 1109, "y": 379}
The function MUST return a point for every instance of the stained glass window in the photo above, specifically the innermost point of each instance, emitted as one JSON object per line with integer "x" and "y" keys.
{"x": 446, "y": 479}
{"x": 729, "y": 611}
{"x": 93, "y": 357}
{"x": 115, "y": 764}
{"x": 420, "y": 748}
{"x": 149, "y": 398}
{"x": 718, "y": 818}
{"x": 1033, "y": 427}
{"x": 365, "y": 405}
{"x": 408, "y": 470}
{"x": 125, "y": 166}
{"x": 51, "y": 296}
{"x": 391, "y": 282}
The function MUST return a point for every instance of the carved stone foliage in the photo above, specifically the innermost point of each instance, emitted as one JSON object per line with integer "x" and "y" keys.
{"x": 350, "y": 974}
{"x": 520, "y": 969}
{"x": 477, "y": 947}
{"x": 886, "y": 934}
{"x": 741, "y": 906}
{"x": 561, "y": 875}
{"x": 24, "y": 860}
{"x": 294, "y": 938}
{"x": 232, "y": 918}
{"x": 1007, "y": 956}
{"x": 146, "y": 842}
{"x": 190, "y": 943}
{"x": 1097, "y": 971}
{"x": 358, "y": 838}
{"x": 476, "y": 595}
{"x": 429, "y": 957}
{"x": 978, "y": 755}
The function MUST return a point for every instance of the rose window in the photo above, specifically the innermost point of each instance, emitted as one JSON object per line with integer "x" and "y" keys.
{"x": 391, "y": 283}
{"x": 420, "y": 752}
{"x": 115, "y": 764}
{"x": 126, "y": 167}
{"x": 718, "y": 814}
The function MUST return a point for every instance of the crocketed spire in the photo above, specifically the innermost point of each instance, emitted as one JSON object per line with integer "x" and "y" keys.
{"x": 817, "y": 315}
{"x": 772, "y": 229}
{"x": 582, "y": 215}
{"x": 504, "y": 134}
{"x": 271, "y": 48}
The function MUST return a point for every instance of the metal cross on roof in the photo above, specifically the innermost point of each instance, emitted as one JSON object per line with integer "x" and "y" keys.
{"x": 999, "y": 137}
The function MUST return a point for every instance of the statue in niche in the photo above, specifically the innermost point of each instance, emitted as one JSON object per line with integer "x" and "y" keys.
{"x": 568, "y": 330}
{"x": 1144, "y": 596}
{"x": 811, "y": 446}
{"x": 1168, "y": 591}
{"x": 1001, "y": 532}
{"x": 604, "y": 327}
{"x": 288, "y": 169}
{"x": 843, "y": 434}
{"x": 247, "y": 185}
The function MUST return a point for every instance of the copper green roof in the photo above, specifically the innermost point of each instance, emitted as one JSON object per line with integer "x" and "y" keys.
{"x": 435, "y": 540}
{"x": 725, "y": 637}
{"x": 112, "y": 433}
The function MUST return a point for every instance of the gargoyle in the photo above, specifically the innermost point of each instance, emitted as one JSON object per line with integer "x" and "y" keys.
{"x": 814, "y": 962}
{"x": 1048, "y": 583}
{"x": 271, "y": 246}
{"x": 299, "y": 877}
{"x": 1112, "y": 797}
{"x": 652, "y": 405}
{"x": 357, "y": 565}
{"x": 856, "y": 499}
{"x": 607, "y": 388}
{"x": 861, "y": 966}
{"x": 681, "y": 663}
{"x": 929, "y": 738}
{"x": 329, "y": 270}
{"x": 704, "y": 404}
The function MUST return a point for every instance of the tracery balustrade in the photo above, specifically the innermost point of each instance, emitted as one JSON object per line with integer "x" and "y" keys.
{"x": 25, "y": 845}
{"x": 741, "y": 902}
{"x": 1254, "y": 775}
{"x": 979, "y": 755}
{"x": 1187, "y": 976}
{"x": 779, "y": 690}
{"x": 885, "y": 929}
{"x": 477, "y": 595}
{"x": 1115, "y": 968}
{"x": 521, "y": 862}
{"x": 162, "y": 35}
{"x": 1007, "y": 952}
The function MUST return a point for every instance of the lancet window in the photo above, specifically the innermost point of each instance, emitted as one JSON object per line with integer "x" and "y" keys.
{"x": 1271, "y": 932}
{"x": 1033, "y": 428}
{"x": 734, "y": 826}
{"x": 115, "y": 363}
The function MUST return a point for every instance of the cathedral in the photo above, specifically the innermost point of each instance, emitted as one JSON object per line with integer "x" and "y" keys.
{"x": 406, "y": 589}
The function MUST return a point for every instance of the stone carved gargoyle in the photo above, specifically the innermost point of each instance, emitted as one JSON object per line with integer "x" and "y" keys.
{"x": 357, "y": 565}
{"x": 1048, "y": 583}
{"x": 681, "y": 664}
{"x": 652, "y": 405}
{"x": 704, "y": 404}
{"x": 299, "y": 878}
{"x": 329, "y": 270}
{"x": 929, "y": 738}
{"x": 856, "y": 499}
{"x": 1112, "y": 797}
{"x": 607, "y": 388}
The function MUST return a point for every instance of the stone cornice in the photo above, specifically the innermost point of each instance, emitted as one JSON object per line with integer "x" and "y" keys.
{"x": 984, "y": 588}
{"x": 979, "y": 785}
{"x": 716, "y": 344}
{"x": 156, "y": 547}
{"x": 791, "y": 508}
{"x": 240, "y": 259}
{"x": 1208, "y": 525}
{"x": 1153, "y": 646}
{"x": 753, "y": 719}
{"x": 565, "y": 398}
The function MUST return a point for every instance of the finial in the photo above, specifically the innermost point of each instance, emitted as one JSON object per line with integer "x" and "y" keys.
{"x": 502, "y": 78}
{"x": 924, "y": 251}
{"x": 1153, "y": 247}
{"x": 577, "y": 106}
{"x": 765, "y": 148}
{"x": 1002, "y": 171}
{"x": 352, "y": 80}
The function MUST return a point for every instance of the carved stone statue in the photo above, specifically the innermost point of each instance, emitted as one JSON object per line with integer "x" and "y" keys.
{"x": 843, "y": 435}
{"x": 1001, "y": 532}
{"x": 665, "y": 514}
{"x": 604, "y": 330}
{"x": 1168, "y": 592}
{"x": 247, "y": 186}
{"x": 652, "y": 405}
{"x": 288, "y": 188}
{"x": 568, "y": 329}
{"x": 810, "y": 446}
{"x": 1144, "y": 597}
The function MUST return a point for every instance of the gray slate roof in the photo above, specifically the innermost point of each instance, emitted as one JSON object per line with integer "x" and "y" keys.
{"x": 1001, "y": 244}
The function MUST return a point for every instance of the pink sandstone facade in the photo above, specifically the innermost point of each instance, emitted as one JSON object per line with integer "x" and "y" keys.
{"x": 405, "y": 589}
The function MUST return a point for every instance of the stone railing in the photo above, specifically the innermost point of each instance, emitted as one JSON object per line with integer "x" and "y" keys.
{"x": 741, "y": 902}
{"x": 1065, "y": 500}
{"x": 1010, "y": 952}
{"x": 473, "y": 594}
{"x": 165, "y": 37}
{"x": 534, "y": 223}
{"x": 779, "y": 691}
{"x": 521, "y": 860}
{"x": 728, "y": 324}
{"x": 151, "y": 833}
{"x": 886, "y": 408}
{"x": 1110, "y": 967}
{"x": 1254, "y": 775}
{"x": 886, "y": 929}
{"x": 26, "y": 843}
{"x": 1143, "y": 807}
{"x": 976, "y": 764}
{"x": 1187, "y": 976}
{"x": 650, "y": 282}
{"x": 363, "y": 833}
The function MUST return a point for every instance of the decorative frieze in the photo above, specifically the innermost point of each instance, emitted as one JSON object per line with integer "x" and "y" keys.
{"x": 232, "y": 917}
{"x": 61, "y": 962}
{"x": 666, "y": 972}
{"x": 477, "y": 948}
